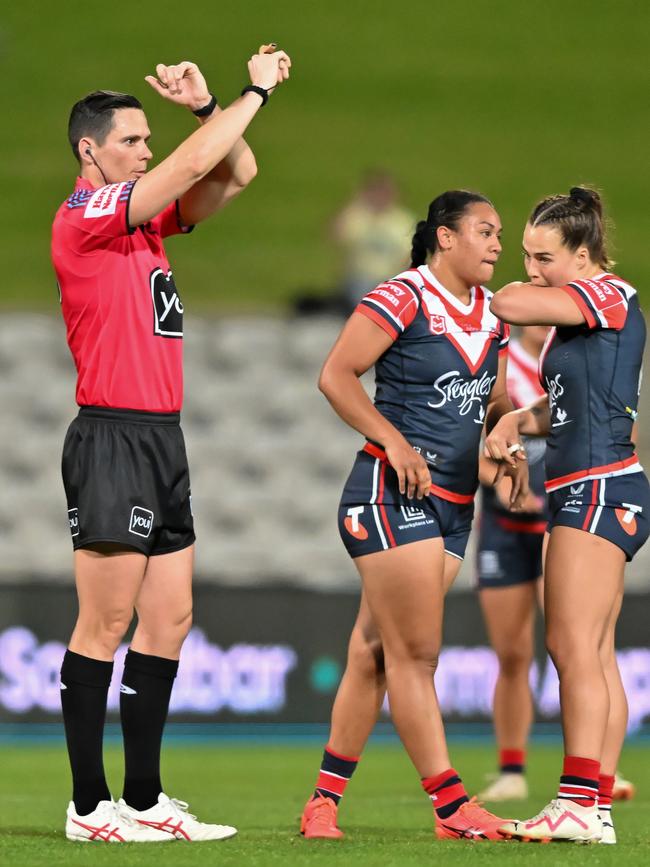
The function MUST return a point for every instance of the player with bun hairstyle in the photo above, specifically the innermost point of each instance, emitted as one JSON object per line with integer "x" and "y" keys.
{"x": 599, "y": 497}
{"x": 407, "y": 506}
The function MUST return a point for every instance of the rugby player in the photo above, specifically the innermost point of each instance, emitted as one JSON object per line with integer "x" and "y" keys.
{"x": 407, "y": 506}
{"x": 124, "y": 464}
{"x": 509, "y": 571}
{"x": 599, "y": 496}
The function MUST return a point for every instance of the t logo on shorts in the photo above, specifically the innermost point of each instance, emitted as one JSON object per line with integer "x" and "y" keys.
{"x": 353, "y": 525}
{"x": 141, "y": 522}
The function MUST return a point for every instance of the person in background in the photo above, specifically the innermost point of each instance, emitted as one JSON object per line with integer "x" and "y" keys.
{"x": 509, "y": 573}
{"x": 372, "y": 233}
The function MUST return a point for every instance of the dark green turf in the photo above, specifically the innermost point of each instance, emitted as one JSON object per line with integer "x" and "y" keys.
{"x": 385, "y": 815}
{"x": 515, "y": 98}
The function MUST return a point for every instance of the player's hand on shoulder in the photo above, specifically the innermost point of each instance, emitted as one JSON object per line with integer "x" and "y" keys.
{"x": 182, "y": 83}
{"x": 269, "y": 67}
{"x": 412, "y": 471}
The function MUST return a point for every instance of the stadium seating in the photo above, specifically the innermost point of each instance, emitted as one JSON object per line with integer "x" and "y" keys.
{"x": 268, "y": 456}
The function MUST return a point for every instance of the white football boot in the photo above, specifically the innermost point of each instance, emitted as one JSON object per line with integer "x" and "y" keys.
{"x": 609, "y": 833}
{"x": 107, "y": 824}
{"x": 623, "y": 789}
{"x": 505, "y": 787}
{"x": 171, "y": 816}
{"x": 560, "y": 820}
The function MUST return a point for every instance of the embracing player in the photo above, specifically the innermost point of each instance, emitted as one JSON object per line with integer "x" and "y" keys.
{"x": 599, "y": 497}
{"x": 124, "y": 464}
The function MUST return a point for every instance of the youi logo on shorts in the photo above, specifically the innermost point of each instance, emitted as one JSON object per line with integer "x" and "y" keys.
{"x": 73, "y": 520}
{"x": 167, "y": 305}
{"x": 452, "y": 387}
{"x": 141, "y": 522}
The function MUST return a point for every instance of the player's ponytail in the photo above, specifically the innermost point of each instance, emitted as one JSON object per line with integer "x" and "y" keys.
{"x": 446, "y": 210}
{"x": 421, "y": 244}
{"x": 578, "y": 217}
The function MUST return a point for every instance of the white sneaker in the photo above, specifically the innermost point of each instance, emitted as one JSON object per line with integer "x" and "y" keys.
{"x": 107, "y": 824}
{"x": 559, "y": 820}
{"x": 609, "y": 833}
{"x": 505, "y": 787}
{"x": 171, "y": 816}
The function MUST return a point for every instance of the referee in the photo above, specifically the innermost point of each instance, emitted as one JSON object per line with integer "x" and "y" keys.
{"x": 124, "y": 464}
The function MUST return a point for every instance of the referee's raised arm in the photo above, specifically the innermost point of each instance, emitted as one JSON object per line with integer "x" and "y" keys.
{"x": 194, "y": 158}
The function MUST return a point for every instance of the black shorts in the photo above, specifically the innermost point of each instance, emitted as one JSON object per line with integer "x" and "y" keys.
{"x": 127, "y": 481}
{"x": 370, "y": 521}
{"x": 505, "y": 557}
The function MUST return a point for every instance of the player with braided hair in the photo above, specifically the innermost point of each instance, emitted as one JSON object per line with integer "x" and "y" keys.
{"x": 407, "y": 506}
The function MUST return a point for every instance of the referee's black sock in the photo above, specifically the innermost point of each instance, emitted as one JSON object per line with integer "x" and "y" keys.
{"x": 144, "y": 700}
{"x": 84, "y": 690}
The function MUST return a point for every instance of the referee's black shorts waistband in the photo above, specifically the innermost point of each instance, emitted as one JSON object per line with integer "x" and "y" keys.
{"x": 130, "y": 416}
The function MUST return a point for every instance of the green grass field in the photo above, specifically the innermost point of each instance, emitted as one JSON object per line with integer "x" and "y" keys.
{"x": 262, "y": 790}
{"x": 513, "y": 98}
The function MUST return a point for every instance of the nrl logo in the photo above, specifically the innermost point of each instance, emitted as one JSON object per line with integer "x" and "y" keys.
{"x": 437, "y": 323}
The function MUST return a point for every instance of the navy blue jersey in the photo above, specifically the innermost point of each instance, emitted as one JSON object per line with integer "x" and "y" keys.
{"x": 592, "y": 373}
{"x": 434, "y": 381}
{"x": 523, "y": 388}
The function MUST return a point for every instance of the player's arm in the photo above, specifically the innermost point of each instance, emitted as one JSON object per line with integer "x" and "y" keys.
{"x": 498, "y": 402}
{"x": 198, "y": 155}
{"x": 357, "y": 348}
{"x": 503, "y": 442}
{"x": 527, "y": 304}
{"x": 514, "y": 465}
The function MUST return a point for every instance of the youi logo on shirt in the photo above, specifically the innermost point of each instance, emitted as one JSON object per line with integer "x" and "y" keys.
{"x": 555, "y": 391}
{"x": 451, "y": 387}
{"x": 167, "y": 305}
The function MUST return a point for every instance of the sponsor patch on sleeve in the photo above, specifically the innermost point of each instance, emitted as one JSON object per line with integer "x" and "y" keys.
{"x": 103, "y": 201}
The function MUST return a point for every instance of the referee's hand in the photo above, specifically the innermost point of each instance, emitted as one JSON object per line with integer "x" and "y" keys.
{"x": 269, "y": 67}
{"x": 183, "y": 84}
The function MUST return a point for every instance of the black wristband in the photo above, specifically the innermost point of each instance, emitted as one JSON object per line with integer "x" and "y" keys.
{"x": 260, "y": 91}
{"x": 207, "y": 109}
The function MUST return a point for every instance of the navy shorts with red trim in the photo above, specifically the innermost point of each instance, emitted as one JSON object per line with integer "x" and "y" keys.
{"x": 508, "y": 553}
{"x": 126, "y": 480}
{"x": 617, "y": 509}
{"x": 374, "y": 516}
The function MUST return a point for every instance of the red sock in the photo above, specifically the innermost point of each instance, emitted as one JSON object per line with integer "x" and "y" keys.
{"x": 579, "y": 781}
{"x": 512, "y": 761}
{"x": 446, "y": 791}
{"x": 605, "y": 789}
